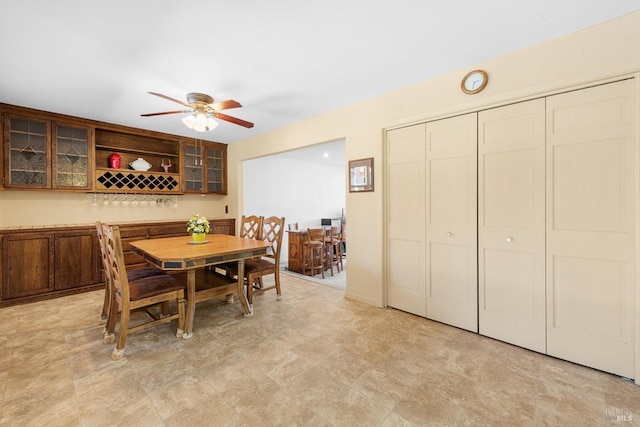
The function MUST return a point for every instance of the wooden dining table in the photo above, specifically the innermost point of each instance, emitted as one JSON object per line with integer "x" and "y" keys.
{"x": 182, "y": 254}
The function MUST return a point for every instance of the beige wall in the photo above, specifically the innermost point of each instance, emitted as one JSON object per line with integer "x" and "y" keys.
{"x": 27, "y": 208}
{"x": 600, "y": 53}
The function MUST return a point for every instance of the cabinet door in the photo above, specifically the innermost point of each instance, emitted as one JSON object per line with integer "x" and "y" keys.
{"x": 71, "y": 157}
{"x": 511, "y": 230}
{"x": 592, "y": 199}
{"x": 76, "y": 259}
{"x": 451, "y": 227}
{"x": 27, "y": 265}
{"x": 193, "y": 168}
{"x": 406, "y": 268}
{"x": 27, "y": 153}
{"x": 226, "y": 226}
{"x": 216, "y": 160}
{"x": 205, "y": 168}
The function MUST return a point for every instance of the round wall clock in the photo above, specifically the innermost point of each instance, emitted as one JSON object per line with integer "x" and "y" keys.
{"x": 474, "y": 82}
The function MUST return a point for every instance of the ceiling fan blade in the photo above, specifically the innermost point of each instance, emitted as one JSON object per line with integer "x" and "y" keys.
{"x": 165, "y": 112}
{"x": 233, "y": 120}
{"x": 225, "y": 105}
{"x": 170, "y": 98}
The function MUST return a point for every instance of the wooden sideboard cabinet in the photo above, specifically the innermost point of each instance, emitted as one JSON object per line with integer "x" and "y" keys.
{"x": 48, "y": 262}
{"x": 45, "y": 261}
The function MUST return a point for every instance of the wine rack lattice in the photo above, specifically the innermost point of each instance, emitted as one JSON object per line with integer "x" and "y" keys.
{"x": 125, "y": 181}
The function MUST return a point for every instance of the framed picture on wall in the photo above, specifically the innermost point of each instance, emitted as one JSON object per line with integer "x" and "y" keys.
{"x": 361, "y": 175}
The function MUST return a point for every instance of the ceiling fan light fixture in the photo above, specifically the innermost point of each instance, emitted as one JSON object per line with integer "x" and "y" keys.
{"x": 200, "y": 121}
{"x": 189, "y": 120}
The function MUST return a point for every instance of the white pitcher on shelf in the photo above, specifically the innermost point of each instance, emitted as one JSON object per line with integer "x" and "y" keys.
{"x": 140, "y": 164}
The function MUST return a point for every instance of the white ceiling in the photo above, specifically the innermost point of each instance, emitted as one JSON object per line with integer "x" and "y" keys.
{"x": 284, "y": 60}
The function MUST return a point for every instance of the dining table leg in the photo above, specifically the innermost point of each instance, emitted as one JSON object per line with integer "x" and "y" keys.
{"x": 191, "y": 303}
{"x": 246, "y": 307}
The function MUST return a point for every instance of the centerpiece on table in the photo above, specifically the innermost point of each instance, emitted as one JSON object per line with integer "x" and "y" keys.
{"x": 198, "y": 226}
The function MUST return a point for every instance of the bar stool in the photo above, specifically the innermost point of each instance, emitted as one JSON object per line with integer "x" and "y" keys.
{"x": 313, "y": 252}
{"x": 333, "y": 249}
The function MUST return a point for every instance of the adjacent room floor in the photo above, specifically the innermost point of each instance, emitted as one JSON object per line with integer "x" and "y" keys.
{"x": 312, "y": 359}
{"x": 337, "y": 280}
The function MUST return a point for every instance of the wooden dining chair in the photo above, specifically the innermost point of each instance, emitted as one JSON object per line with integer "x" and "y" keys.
{"x": 132, "y": 274}
{"x": 313, "y": 250}
{"x": 256, "y": 268}
{"x": 251, "y": 227}
{"x": 143, "y": 292}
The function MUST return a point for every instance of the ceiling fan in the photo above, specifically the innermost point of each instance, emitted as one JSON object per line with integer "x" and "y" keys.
{"x": 203, "y": 110}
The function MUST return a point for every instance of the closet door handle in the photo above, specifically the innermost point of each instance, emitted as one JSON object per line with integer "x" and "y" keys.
{"x": 509, "y": 239}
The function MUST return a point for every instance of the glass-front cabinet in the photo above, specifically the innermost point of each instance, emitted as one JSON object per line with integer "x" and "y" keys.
{"x": 42, "y": 154}
{"x": 204, "y": 166}
{"x": 28, "y": 153}
{"x": 72, "y": 156}
{"x": 215, "y": 179}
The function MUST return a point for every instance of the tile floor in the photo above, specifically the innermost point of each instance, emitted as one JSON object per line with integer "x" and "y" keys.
{"x": 312, "y": 359}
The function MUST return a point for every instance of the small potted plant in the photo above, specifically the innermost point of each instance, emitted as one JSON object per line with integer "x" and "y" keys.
{"x": 198, "y": 226}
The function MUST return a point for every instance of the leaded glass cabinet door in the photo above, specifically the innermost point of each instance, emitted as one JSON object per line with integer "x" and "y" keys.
{"x": 205, "y": 167}
{"x": 71, "y": 156}
{"x": 193, "y": 168}
{"x": 27, "y": 153}
{"x": 216, "y": 179}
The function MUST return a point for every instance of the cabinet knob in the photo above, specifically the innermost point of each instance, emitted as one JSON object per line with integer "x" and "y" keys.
{"x": 448, "y": 234}
{"x": 509, "y": 239}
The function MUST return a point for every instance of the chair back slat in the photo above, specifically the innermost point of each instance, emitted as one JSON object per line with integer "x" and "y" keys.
{"x": 115, "y": 257}
{"x": 103, "y": 252}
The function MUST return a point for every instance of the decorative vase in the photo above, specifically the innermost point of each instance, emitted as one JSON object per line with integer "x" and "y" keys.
{"x": 114, "y": 161}
{"x": 198, "y": 237}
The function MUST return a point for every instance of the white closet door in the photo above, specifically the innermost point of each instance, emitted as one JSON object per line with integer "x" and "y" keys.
{"x": 591, "y": 217}
{"x": 511, "y": 218}
{"x": 406, "y": 219}
{"x": 452, "y": 281}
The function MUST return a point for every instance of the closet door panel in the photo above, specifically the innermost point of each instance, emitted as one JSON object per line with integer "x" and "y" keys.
{"x": 511, "y": 231}
{"x": 591, "y": 199}
{"x": 451, "y": 233}
{"x": 406, "y": 269}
